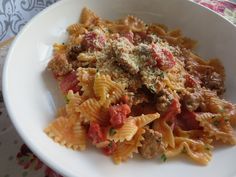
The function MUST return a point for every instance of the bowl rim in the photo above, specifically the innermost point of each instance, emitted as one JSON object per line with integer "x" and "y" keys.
{"x": 44, "y": 158}
{"x": 22, "y": 135}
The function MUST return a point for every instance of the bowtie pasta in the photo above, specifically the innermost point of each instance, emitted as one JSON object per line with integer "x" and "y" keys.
{"x": 132, "y": 87}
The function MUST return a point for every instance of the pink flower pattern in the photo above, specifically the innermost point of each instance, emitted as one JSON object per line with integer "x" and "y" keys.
{"x": 27, "y": 160}
{"x": 218, "y": 6}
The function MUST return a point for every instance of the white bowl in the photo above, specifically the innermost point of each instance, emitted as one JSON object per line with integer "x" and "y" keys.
{"x": 32, "y": 96}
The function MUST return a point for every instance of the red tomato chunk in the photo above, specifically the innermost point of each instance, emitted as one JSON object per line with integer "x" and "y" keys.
{"x": 163, "y": 57}
{"x": 69, "y": 82}
{"x": 139, "y": 37}
{"x": 188, "y": 120}
{"x": 129, "y": 36}
{"x": 124, "y": 99}
{"x": 95, "y": 133}
{"x": 108, "y": 150}
{"x": 172, "y": 111}
{"x": 93, "y": 41}
{"x": 118, "y": 114}
{"x": 190, "y": 81}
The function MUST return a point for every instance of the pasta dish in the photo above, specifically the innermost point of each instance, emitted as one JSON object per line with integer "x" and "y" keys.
{"x": 132, "y": 87}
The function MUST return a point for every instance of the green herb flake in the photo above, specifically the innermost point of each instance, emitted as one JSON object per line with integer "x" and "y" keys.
{"x": 226, "y": 120}
{"x": 213, "y": 117}
{"x": 159, "y": 139}
{"x": 184, "y": 150}
{"x": 163, "y": 157}
{"x": 162, "y": 75}
{"x": 207, "y": 147}
{"x": 216, "y": 123}
{"x": 110, "y": 144}
{"x": 152, "y": 89}
{"x": 222, "y": 110}
{"x": 67, "y": 100}
{"x": 112, "y": 131}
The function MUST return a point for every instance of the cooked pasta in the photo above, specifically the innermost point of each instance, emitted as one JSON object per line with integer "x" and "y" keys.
{"x": 132, "y": 87}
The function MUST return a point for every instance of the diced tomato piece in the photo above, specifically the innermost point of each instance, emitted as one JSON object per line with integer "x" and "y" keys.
{"x": 110, "y": 148}
{"x": 93, "y": 41}
{"x": 95, "y": 133}
{"x": 118, "y": 114}
{"x": 172, "y": 111}
{"x": 163, "y": 57}
{"x": 167, "y": 53}
{"x": 56, "y": 76}
{"x": 190, "y": 81}
{"x": 139, "y": 37}
{"x": 187, "y": 120}
{"x": 129, "y": 36}
{"x": 124, "y": 99}
{"x": 69, "y": 82}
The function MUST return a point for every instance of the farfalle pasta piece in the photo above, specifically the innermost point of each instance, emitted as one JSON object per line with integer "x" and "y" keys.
{"x": 156, "y": 29}
{"x": 233, "y": 116}
{"x": 74, "y": 100}
{"x": 131, "y": 125}
{"x": 220, "y": 106}
{"x": 197, "y": 59}
{"x": 84, "y": 57}
{"x": 107, "y": 90}
{"x": 90, "y": 110}
{"x": 67, "y": 132}
{"x": 76, "y": 29}
{"x": 126, "y": 132}
{"x": 88, "y": 17}
{"x": 126, "y": 149}
{"x": 59, "y": 48}
{"x": 75, "y": 40}
{"x": 86, "y": 78}
{"x": 175, "y": 79}
{"x": 61, "y": 112}
{"x": 134, "y": 23}
{"x": 217, "y": 127}
{"x": 213, "y": 63}
{"x": 193, "y": 134}
{"x": 80, "y": 131}
{"x": 175, "y": 33}
{"x": 187, "y": 133}
{"x": 143, "y": 120}
{"x": 166, "y": 131}
{"x": 171, "y": 40}
{"x": 219, "y": 68}
{"x": 118, "y": 28}
{"x": 195, "y": 149}
{"x": 126, "y": 25}
{"x": 186, "y": 42}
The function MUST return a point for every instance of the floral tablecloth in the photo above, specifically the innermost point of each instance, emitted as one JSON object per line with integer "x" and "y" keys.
{"x": 16, "y": 159}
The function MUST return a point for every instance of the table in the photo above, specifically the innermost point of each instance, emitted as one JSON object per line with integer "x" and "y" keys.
{"x": 16, "y": 159}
